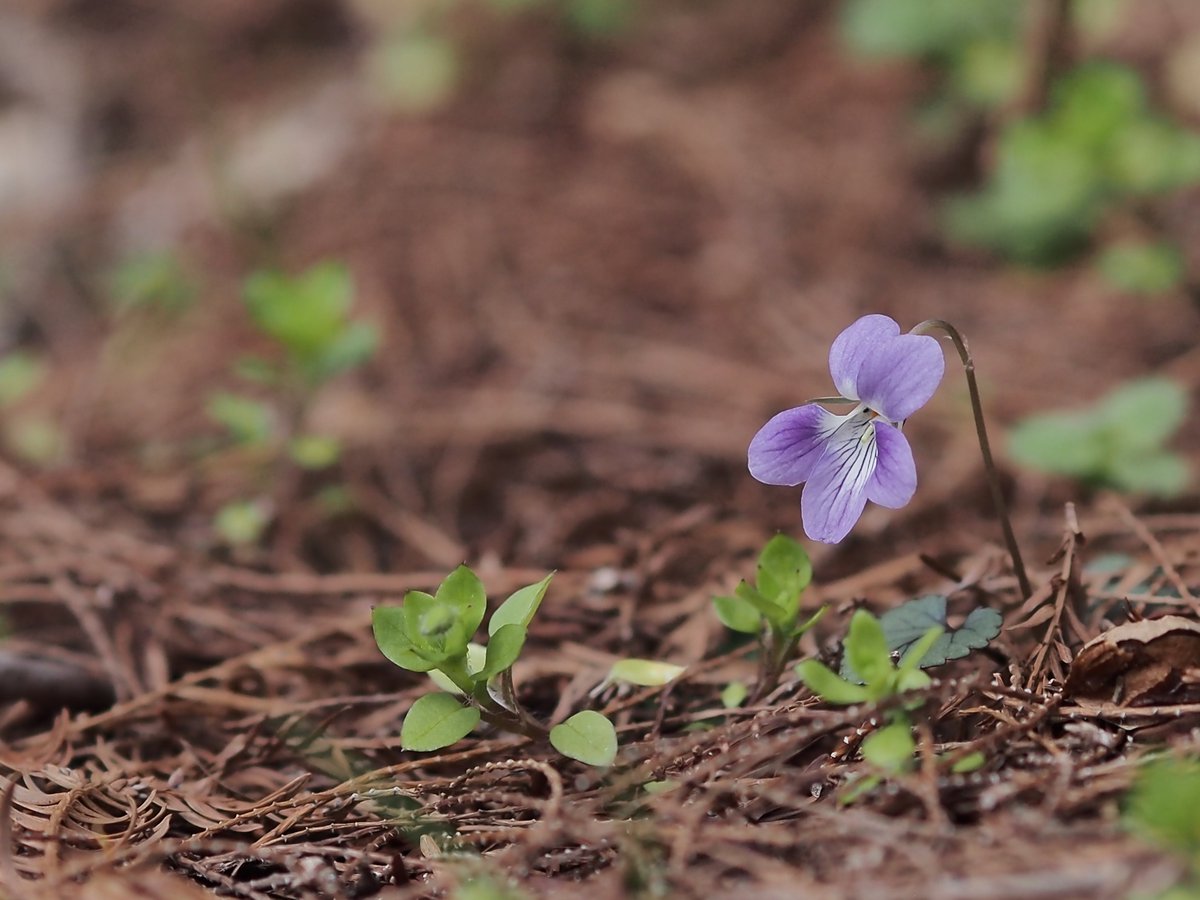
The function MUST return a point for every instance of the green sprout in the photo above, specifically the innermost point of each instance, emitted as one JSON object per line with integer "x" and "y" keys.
{"x": 890, "y": 749}
{"x": 432, "y": 633}
{"x": 1118, "y": 442}
{"x": 770, "y": 608}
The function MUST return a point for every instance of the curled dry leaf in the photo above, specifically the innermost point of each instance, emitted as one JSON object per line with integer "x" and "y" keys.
{"x": 1151, "y": 661}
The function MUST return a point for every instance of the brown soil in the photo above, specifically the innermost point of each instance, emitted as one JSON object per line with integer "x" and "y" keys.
{"x": 596, "y": 272}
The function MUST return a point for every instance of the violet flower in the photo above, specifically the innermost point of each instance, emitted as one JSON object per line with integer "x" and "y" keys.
{"x": 848, "y": 460}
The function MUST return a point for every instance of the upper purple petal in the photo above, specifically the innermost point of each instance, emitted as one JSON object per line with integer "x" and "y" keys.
{"x": 894, "y": 480}
{"x": 900, "y": 375}
{"x": 836, "y": 493}
{"x": 785, "y": 449}
{"x": 854, "y": 346}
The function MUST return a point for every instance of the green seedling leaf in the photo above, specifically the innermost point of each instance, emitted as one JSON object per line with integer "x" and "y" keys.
{"x": 20, "y": 374}
{"x": 391, "y": 635}
{"x": 1164, "y": 804}
{"x": 1145, "y": 412}
{"x": 463, "y": 590}
{"x": 1161, "y": 474}
{"x": 600, "y": 18}
{"x": 890, "y": 748}
{"x": 784, "y": 571}
{"x": 242, "y": 522}
{"x": 972, "y": 762}
{"x": 434, "y": 627}
{"x": 734, "y": 694}
{"x": 859, "y": 787}
{"x": 247, "y": 421}
{"x": 314, "y": 451}
{"x": 35, "y": 439}
{"x": 436, "y": 721}
{"x": 305, "y": 312}
{"x": 829, "y": 686}
{"x": 809, "y": 622}
{"x": 866, "y": 648}
{"x": 588, "y": 737}
{"x": 737, "y": 615}
{"x": 476, "y": 658}
{"x": 772, "y": 611}
{"x": 503, "y": 649}
{"x": 520, "y": 607}
{"x": 1116, "y": 442}
{"x": 644, "y": 672}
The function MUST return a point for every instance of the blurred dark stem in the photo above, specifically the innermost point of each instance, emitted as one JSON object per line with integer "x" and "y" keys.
{"x": 1048, "y": 51}
{"x": 47, "y": 684}
{"x": 989, "y": 464}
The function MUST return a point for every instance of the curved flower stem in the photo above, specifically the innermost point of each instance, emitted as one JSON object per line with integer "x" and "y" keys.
{"x": 985, "y": 448}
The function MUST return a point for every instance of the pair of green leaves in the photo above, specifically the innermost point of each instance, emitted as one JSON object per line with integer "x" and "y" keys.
{"x": 310, "y": 315}
{"x": 1117, "y": 442}
{"x": 784, "y": 571}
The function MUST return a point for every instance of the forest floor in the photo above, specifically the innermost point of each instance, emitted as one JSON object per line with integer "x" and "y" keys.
{"x": 596, "y": 272}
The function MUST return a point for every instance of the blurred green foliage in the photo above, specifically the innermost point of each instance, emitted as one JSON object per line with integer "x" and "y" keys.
{"x": 1118, "y": 442}
{"x": 309, "y": 314}
{"x": 1055, "y": 174}
{"x": 1163, "y": 808}
{"x": 1098, "y": 147}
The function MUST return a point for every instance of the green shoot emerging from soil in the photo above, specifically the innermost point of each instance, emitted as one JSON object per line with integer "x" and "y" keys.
{"x": 770, "y": 608}
{"x": 308, "y": 316}
{"x": 432, "y": 633}
{"x": 890, "y": 749}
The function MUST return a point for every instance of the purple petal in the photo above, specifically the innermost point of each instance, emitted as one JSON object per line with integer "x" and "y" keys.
{"x": 785, "y": 449}
{"x": 894, "y": 480}
{"x": 900, "y": 375}
{"x": 836, "y": 492}
{"x": 854, "y": 346}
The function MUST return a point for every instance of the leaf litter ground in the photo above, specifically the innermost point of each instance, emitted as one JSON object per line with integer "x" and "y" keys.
{"x": 587, "y": 313}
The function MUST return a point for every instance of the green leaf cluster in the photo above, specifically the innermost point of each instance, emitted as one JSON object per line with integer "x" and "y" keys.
{"x": 433, "y": 633}
{"x": 1098, "y": 144}
{"x": 1118, "y": 442}
{"x": 868, "y": 655}
{"x": 309, "y": 314}
{"x": 784, "y": 571}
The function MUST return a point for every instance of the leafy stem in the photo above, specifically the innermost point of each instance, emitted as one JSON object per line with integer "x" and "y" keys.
{"x": 989, "y": 464}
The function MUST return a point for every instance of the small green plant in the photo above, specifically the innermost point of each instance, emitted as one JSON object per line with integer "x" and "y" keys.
{"x": 890, "y": 748}
{"x": 1163, "y": 808}
{"x": 1142, "y": 268}
{"x": 770, "y": 608}
{"x": 1118, "y": 442}
{"x": 309, "y": 317}
{"x": 432, "y": 633}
